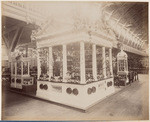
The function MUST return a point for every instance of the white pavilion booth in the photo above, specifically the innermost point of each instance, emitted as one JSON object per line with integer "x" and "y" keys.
{"x": 73, "y": 69}
{"x": 74, "y": 56}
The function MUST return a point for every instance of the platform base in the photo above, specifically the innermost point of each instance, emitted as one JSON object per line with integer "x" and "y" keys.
{"x": 75, "y": 95}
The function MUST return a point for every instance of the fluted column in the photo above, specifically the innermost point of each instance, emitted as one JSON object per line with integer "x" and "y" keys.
{"x": 82, "y": 63}
{"x": 64, "y": 62}
{"x": 104, "y": 61}
{"x": 94, "y": 62}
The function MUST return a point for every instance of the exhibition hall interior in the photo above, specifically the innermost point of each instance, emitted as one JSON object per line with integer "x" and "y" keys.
{"x": 74, "y": 60}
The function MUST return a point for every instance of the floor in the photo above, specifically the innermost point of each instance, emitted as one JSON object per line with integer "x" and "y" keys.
{"x": 130, "y": 103}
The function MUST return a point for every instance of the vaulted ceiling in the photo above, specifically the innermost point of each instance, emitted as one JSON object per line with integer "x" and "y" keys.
{"x": 134, "y": 15}
{"x": 131, "y": 15}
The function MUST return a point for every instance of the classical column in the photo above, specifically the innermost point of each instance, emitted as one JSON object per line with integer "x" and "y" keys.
{"x": 104, "y": 61}
{"x": 38, "y": 64}
{"x": 110, "y": 61}
{"x": 50, "y": 63}
{"x": 64, "y": 63}
{"x": 94, "y": 62}
{"x": 82, "y": 63}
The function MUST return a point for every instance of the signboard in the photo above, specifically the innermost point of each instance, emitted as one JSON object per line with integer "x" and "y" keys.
{"x": 57, "y": 88}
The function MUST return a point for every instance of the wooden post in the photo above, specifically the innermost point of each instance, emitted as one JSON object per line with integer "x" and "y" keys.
{"x": 110, "y": 61}
{"x": 50, "y": 63}
{"x": 64, "y": 63}
{"x": 82, "y": 63}
{"x": 104, "y": 61}
{"x": 94, "y": 62}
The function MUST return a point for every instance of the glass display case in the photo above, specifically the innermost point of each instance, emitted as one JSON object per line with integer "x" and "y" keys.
{"x": 108, "y": 73}
{"x": 20, "y": 73}
{"x": 19, "y": 68}
{"x": 25, "y": 68}
{"x": 79, "y": 71}
{"x": 122, "y": 66}
{"x": 57, "y": 64}
{"x": 44, "y": 58}
{"x": 99, "y": 63}
{"x": 88, "y": 63}
{"x": 73, "y": 63}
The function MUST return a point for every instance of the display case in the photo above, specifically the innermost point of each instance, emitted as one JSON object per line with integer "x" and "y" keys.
{"x": 57, "y": 64}
{"x": 43, "y": 58}
{"x": 73, "y": 63}
{"x": 20, "y": 73}
{"x": 88, "y": 63}
{"x": 99, "y": 63}
{"x": 122, "y": 68}
{"x": 77, "y": 72}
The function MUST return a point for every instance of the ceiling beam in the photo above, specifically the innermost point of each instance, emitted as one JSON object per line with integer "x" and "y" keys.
{"x": 11, "y": 28}
{"x": 14, "y": 39}
{"x": 6, "y": 41}
{"x": 19, "y": 34}
{"x": 114, "y": 11}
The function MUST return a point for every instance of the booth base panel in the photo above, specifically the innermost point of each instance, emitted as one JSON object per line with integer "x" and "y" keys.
{"x": 17, "y": 85}
{"x": 29, "y": 88}
{"x": 24, "y": 88}
{"x": 82, "y": 100}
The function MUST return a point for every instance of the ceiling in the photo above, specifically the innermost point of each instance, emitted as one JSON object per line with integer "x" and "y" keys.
{"x": 132, "y": 15}
{"x": 9, "y": 30}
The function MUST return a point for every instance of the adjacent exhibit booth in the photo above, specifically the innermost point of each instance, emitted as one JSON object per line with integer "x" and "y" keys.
{"x": 122, "y": 68}
{"x": 23, "y": 71}
{"x": 73, "y": 69}
{"x": 20, "y": 74}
